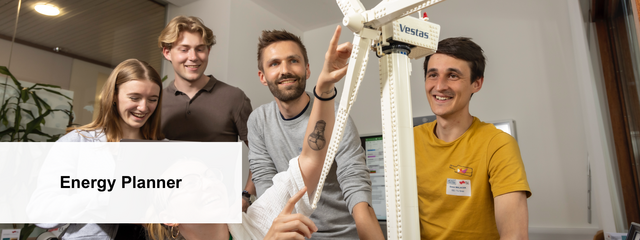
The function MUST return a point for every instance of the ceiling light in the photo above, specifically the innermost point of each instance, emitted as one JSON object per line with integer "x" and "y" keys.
{"x": 47, "y": 9}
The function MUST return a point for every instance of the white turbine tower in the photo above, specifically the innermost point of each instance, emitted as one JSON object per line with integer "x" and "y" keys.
{"x": 395, "y": 37}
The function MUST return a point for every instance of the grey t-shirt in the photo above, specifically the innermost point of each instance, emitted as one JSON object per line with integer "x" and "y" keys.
{"x": 273, "y": 141}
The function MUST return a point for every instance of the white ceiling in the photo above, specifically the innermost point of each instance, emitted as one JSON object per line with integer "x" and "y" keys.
{"x": 308, "y": 14}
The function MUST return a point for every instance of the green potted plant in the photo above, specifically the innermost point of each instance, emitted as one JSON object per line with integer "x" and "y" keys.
{"x": 21, "y": 105}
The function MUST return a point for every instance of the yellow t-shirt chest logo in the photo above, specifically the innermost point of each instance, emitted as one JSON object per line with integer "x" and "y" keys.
{"x": 462, "y": 170}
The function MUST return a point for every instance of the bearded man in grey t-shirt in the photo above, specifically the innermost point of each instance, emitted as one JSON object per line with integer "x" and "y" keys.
{"x": 275, "y": 135}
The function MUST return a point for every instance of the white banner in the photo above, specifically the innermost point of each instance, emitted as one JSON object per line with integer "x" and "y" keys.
{"x": 127, "y": 182}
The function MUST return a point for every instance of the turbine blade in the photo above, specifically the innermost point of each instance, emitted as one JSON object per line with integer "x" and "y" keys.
{"x": 390, "y": 10}
{"x": 349, "y": 7}
{"x": 355, "y": 74}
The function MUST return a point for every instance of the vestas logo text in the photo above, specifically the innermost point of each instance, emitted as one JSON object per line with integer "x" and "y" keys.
{"x": 414, "y": 31}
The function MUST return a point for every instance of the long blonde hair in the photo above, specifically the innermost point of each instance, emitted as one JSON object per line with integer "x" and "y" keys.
{"x": 108, "y": 115}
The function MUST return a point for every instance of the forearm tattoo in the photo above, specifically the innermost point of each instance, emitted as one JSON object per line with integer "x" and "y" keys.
{"x": 316, "y": 138}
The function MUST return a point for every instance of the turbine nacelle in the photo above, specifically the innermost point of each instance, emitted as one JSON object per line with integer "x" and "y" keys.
{"x": 390, "y": 18}
{"x": 421, "y": 36}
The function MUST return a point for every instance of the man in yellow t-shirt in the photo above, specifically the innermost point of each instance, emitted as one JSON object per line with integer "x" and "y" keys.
{"x": 471, "y": 179}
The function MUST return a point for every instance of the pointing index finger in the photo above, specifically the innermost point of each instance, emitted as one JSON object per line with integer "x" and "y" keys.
{"x": 333, "y": 44}
{"x": 293, "y": 200}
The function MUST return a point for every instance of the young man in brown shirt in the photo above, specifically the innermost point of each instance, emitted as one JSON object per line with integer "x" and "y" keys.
{"x": 197, "y": 107}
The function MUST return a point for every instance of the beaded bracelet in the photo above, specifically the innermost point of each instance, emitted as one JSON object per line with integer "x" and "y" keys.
{"x": 325, "y": 99}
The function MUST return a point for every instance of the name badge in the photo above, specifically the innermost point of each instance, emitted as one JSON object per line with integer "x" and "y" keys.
{"x": 459, "y": 187}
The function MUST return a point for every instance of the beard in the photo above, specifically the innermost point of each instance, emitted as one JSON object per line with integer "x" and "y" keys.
{"x": 288, "y": 93}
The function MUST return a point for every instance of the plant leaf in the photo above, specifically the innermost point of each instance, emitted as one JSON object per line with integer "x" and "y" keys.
{"x": 24, "y": 95}
{"x": 54, "y": 138}
{"x": 35, "y": 123}
{"x": 37, "y": 102}
{"x": 17, "y": 119}
{"x": 70, "y": 114}
{"x": 14, "y": 87}
{"x": 44, "y": 85}
{"x": 56, "y": 92}
{"x": 38, "y": 132}
{"x": 27, "y": 229}
{"x": 19, "y": 131}
{"x": 3, "y": 112}
{"x": 4, "y": 70}
{"x": 5, "y": 121}
{"x": 44, "y": 104}
{"x": 29, "y": 112}
{"x": 6, "y": 132}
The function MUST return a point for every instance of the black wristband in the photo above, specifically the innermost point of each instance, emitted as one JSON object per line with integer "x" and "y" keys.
{"x": 247, "y": 196}
{"x": 325, "y": 99}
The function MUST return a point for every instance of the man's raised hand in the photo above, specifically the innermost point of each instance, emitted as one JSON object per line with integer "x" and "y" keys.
{"x": 336, "y": 62}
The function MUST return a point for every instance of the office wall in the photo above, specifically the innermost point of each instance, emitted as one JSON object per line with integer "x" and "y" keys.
{"x": 84, "y": 83}
{"x": 35, "y": 65}
{"x": 39, "y": 66}
{"x": 531, "y": 77}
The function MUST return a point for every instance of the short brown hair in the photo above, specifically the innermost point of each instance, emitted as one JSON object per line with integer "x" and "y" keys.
{"x": 464, "y": 49}
{"x": 270, "y": 37}
{"x": 172, "y": 31}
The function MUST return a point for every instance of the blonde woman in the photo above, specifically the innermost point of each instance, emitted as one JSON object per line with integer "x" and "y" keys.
{"x": 129, "y": 109}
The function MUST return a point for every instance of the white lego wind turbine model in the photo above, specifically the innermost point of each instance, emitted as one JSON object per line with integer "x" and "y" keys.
{"x": 396, "y": 37}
